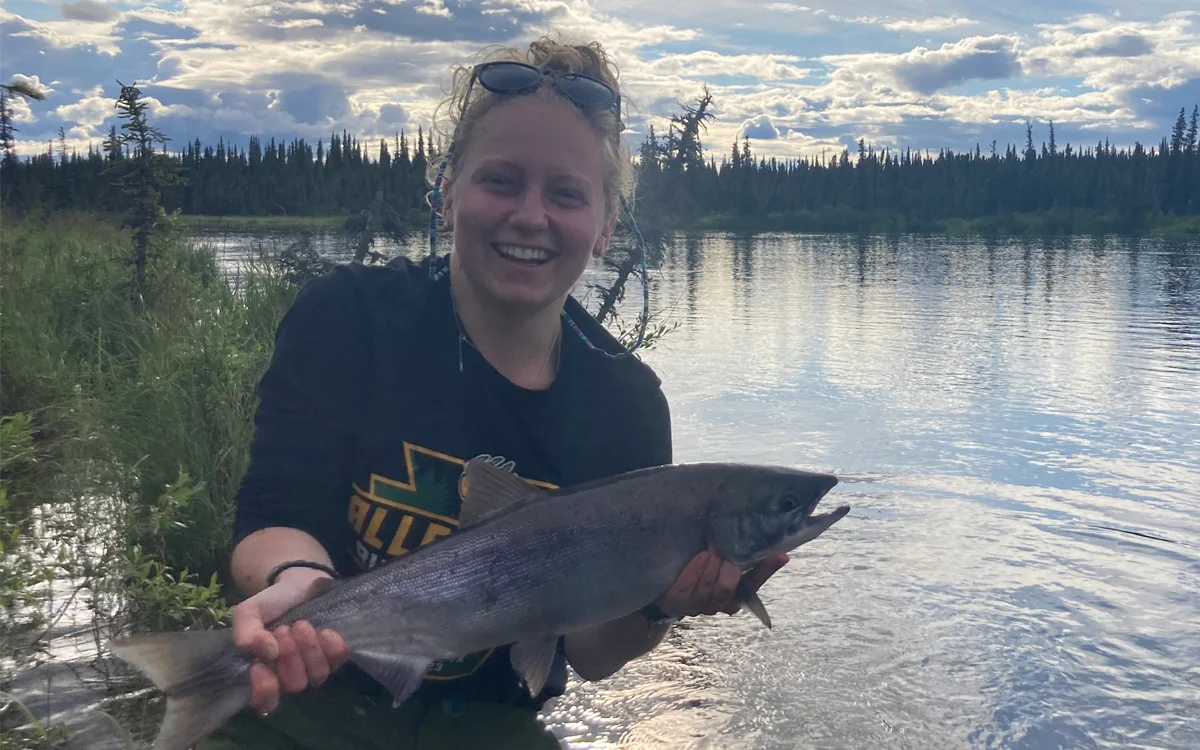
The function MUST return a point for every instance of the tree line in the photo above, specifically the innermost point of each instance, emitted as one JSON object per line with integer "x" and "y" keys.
{"x": 342, "y": 175}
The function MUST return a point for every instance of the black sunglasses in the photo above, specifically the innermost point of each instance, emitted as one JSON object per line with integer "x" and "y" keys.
{"x": 506, "y": 77}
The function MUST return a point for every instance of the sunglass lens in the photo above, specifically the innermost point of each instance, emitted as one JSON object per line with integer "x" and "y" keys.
{"x": 509, "y": 77}
{"x": 586, "y": 91}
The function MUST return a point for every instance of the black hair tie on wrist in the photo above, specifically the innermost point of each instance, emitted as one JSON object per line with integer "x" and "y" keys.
{"x": 298, "y": 564}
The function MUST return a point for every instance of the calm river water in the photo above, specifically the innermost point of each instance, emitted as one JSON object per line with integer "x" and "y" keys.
{"x": 1017, "y": 427}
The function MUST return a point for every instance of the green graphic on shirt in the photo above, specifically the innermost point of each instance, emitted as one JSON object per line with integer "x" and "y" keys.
{"x": 437, "y": 493}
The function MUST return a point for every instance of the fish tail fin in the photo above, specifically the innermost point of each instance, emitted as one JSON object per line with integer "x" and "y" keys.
{"x": 203, "y": 685}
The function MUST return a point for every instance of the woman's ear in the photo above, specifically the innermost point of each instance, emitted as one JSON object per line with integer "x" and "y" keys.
{"x": 602, "y": 242}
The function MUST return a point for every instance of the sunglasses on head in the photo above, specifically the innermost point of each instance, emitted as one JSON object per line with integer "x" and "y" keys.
{"x": 505, "y": 77}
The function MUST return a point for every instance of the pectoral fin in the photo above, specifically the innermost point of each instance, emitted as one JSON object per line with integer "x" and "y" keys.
{"x": 401, "y": 675}
{"x": 755, "y": 605}
{"x": 533, "y": 658}
{"x": 751, "y": 601}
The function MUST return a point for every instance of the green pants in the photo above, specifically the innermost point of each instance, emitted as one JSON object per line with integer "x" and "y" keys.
{"x": 334, "y": 718}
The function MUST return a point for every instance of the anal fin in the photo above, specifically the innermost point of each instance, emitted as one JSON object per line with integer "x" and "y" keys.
{"x": 401, "y": 675}
{"x": 533, "y": 658}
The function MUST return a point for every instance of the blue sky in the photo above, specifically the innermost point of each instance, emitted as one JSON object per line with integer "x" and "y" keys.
{"x": 797, "y": 77}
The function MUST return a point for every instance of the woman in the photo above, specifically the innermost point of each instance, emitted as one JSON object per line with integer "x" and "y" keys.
{"x": 386, "y": 379}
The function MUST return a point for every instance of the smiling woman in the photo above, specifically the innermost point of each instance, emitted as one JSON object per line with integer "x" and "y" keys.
{"x": 385, "y": 380}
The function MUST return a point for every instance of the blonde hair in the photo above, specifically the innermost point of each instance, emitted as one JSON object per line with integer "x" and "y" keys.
{"x": 590, "y": 59}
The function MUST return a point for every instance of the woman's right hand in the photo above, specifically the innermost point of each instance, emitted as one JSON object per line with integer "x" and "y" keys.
{"x": 291, "y": 657}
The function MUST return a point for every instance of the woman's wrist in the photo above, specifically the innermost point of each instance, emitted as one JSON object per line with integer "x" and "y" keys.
{"x": 299, "y": 570}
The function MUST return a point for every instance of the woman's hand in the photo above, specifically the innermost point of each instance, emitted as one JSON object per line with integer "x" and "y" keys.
{"x": 708, "y": 583}
{"x": 296, "y": 656}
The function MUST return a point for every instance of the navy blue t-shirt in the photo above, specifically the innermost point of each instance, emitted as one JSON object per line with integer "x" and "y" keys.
{"x": 366, "y": 421}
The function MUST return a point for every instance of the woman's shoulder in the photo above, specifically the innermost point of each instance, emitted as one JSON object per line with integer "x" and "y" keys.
{"x": 628, "y": 369}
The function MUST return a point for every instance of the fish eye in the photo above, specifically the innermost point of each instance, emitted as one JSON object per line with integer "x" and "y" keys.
{"x": 788, "y": 503}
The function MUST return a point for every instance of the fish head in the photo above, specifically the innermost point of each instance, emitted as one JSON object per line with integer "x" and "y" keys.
{"x": 761, "y": 511}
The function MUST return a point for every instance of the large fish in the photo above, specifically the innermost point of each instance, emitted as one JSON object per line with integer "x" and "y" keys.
{"x": 525, "y": 567}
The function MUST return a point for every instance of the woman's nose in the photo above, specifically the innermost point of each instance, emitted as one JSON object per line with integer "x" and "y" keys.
{"x": 530, "y": 213}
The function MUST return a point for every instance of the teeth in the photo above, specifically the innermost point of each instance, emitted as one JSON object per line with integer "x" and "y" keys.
{"x": 517, "y": 252}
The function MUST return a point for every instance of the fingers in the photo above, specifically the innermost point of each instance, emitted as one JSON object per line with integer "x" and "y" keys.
{"x": 757, "y": 576}
{"x": 708, "y": 581}
{"x": 727, "y": 583}
{"x": 249, "y": 635}
{"x": 292, "y": 658}
{"x": 685, "y": 585}
{"x": 709, "y": 584}
{"x": 306, "y": 659}
{"x": 705, "y": 586}
{"x": 264, "y": 689}
{"x": 290, "y": 666}
{"x": 311, "y": 654}
{"x": 335, "y": 649}
{"x": 752, "y": 581}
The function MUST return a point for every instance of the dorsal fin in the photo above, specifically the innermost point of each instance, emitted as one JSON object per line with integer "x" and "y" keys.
{"x": 490, "y": 489}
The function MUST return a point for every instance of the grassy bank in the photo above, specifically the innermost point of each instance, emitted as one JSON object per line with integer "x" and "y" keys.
{"x": 1040, "y": 224}
{"x": 128, "y": 416}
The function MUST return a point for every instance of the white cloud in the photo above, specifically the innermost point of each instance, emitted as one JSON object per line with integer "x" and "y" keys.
{"x": 1113, "y": 54}
{"x": 707, "y": 63}
{"x": 919, "y": 25}
{"x": 434, "y": 8}
{"x": 926, "y": 71}
{"x": 89, "y": 112}
{"x": 929, "y": 25}
{"x": 300, "y": 23}
{"x": 759, "y": 128}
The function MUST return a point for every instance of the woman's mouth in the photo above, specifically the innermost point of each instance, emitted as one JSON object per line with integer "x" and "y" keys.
{"x": 534, "y": 256}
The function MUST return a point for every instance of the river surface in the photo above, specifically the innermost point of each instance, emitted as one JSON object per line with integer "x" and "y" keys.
{"x": 1017, "y": 427}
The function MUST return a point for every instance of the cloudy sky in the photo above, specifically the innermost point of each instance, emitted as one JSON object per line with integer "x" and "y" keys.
{"x": 796, "y": 78}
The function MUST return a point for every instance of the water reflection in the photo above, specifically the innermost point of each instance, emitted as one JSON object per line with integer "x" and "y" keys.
{"x": 1019, "y": 425}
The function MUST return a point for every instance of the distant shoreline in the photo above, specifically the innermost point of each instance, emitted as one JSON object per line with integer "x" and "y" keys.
{"x": 1054, "y": 223}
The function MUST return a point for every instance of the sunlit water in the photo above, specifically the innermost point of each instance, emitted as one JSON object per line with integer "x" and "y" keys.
{"x": 1017, "y": 427}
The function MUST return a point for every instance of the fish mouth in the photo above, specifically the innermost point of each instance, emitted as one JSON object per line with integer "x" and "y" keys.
{"x": 807, "y": 525}
{"x": 822, "y": 520}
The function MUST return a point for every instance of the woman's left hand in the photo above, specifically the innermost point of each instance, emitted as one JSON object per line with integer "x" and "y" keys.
{"x": 708, "y": 583}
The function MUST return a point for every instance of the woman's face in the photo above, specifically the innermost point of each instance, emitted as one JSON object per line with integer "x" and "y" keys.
{"x": 527, "y": 206}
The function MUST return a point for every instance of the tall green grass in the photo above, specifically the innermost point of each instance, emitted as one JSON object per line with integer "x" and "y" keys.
{"x": 142, "y": 397}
